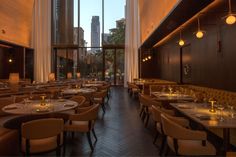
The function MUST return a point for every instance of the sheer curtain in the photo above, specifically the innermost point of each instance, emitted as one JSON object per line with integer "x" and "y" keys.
{"x": 41, "y": 39}
{"x": 132, "y": 40}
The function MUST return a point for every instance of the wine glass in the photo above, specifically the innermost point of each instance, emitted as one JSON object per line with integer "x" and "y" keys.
{"x": 221, "y": 108}
{"x": 231, "y": 110}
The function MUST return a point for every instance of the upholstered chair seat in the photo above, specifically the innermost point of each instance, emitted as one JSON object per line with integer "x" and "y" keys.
{"x": 41, "y": 135}
{"x": 184, "y": 141}
{"x": 191, "y": 147}
{"x": 83, "y": 121}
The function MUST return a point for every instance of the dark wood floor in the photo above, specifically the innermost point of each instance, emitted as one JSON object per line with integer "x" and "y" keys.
{"x": 120, "y": 131}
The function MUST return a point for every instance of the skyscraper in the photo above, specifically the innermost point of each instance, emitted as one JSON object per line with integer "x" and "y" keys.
{"x": 95, "y": 33}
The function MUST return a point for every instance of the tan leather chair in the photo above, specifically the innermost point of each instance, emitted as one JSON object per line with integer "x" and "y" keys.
{"x": 185, "y": 141}
{"x": 80, "y": 100}
{"x": 42, "y": 135}
{"x": 83, "y": 122}
{"x": 146, "y": 103}
{"x": 99, "y": 98}
{"x": 156, "y": 116}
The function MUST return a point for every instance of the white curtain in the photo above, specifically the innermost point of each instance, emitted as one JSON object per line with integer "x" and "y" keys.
{"x": 132, "y": 40}
{"x": 41, "y": 39}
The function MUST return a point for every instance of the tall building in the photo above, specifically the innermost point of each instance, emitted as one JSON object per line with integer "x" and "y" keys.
{"x": 95, "y": 33}
{"x": 63, "y": 24}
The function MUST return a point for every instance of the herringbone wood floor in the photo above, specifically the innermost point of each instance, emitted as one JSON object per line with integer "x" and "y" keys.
{"x": 120, "y": 131}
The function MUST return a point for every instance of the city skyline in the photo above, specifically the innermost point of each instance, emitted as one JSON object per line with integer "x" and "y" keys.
{"x": 113, "y": 11}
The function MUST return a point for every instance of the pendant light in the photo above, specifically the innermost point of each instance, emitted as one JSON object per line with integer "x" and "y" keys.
{"x": 199, "y": 34}
{"x": 230, "y": 18}
{"x": 181, "y": 41}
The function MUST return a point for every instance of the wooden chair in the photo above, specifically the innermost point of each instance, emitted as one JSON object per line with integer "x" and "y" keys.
{"x": 156, "y": 116}
{"x": 185, "y": 141}
{"x": 146, "y": 103}
{"x": 42, "y": 135}
{"x": 80, "y": 100}
{"x": 84, "y": 122}
{"x": 99, "y": 98}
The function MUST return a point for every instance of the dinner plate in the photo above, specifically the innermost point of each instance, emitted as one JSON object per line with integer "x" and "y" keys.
{"x": 68, "y": 105}
{"x": 10, "y": 108}
{"x": 184, "y": 106}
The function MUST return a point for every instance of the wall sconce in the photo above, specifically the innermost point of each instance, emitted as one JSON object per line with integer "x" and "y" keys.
{"x": 230, "y": 18}
{"x": 199, "y": 34}
{"x": 181, "y": 41}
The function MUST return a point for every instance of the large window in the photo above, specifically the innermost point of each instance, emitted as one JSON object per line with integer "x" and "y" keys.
{"x": 81, "y": 29}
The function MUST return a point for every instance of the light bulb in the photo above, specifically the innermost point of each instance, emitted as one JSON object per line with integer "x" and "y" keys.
{"x": 181, "y": 42}
{"x": 10, "y": 60}
{"x": 144, "y": 60}
{"x": 149, "y": 57}
{"x": 199, "y": 34}
{"x": 230, "y": 20}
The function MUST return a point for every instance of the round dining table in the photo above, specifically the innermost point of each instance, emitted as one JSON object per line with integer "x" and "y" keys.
{"x": 35, "y": 107}
{"x": 77, "y": 90}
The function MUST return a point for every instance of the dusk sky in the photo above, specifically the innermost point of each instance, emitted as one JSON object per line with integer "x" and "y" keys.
{"x": 113, "y": 10}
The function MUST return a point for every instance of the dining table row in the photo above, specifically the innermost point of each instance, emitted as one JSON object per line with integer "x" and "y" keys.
{"x": 192, "y": 120}
{"x": 75, "y": 102}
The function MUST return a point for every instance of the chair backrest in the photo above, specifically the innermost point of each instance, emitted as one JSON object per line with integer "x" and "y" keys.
{"x": 89, "y": 115}
{"x": 157, "y": 111}
{"x": 42, "y": 128}
{"x": 101, "y": 94}
{"x": 20, "y": 98}
{"x": 172, "y": 128}
{"x": 146, "y": 100}
{"x": 79, "y": 99}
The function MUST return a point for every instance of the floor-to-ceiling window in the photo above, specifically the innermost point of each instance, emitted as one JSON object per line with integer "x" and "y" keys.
{"x": 88, "y": 37}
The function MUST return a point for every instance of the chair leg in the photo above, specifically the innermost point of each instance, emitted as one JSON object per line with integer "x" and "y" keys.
{"x": 143, "y": 116}
{"x": 141, "y": 112}
{"x": 147, "y": 120}
{"x": 103, "y": 108}
{"x": 162, "y": 145}
{"x": 64, "y": 143}
{"x": 89, "y": 140}
{"x": 72, "y": 135}
{"x": 167, "y": 150}
{"x": 155, "y": 139}
{"x": 94, "y": 134}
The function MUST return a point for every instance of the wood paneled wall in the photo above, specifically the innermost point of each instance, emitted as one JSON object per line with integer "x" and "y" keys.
{"x": 152, "y": 12}
{"x": 16, "y": 21}
{"x": 212, "y": 59}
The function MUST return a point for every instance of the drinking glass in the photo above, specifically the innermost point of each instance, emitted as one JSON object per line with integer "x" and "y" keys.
{"x": 231, "y": 111}
{"x": 220, "y": 107}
